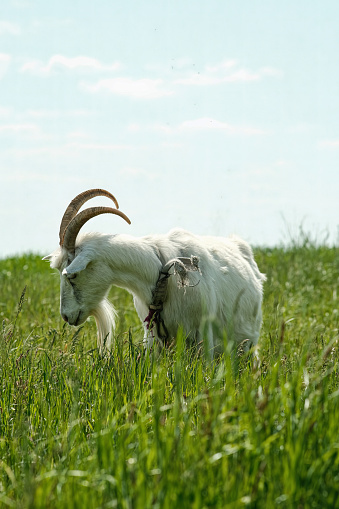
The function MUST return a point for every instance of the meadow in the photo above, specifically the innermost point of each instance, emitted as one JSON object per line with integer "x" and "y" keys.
{"x": 171, "y": 429}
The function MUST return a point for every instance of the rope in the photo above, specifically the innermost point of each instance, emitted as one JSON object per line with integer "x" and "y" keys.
{"x": 181, "y": 265}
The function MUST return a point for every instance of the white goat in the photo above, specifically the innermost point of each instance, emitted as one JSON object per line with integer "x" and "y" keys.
{"x": 222, "y": 282}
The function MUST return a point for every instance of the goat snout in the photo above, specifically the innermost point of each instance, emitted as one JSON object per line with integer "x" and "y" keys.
{"x": 64, "y": 317}
{"x": 72, "y": 318}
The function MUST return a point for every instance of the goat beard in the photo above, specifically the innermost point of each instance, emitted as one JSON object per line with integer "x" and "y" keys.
{"x": 104, "y": 316}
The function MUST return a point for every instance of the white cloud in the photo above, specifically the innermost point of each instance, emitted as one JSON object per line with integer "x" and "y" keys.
{"x": 4, "y": 63}
{"x": 6, "y": 27}
{"x": 172, "y": 145}
{"x": 19, "y": 128}
{"x": 300, "y": 128}
{"x": 198, "y": 79}
{"x": 24, "y": 130}
{"x": 56, "y": 114}
{"x": 329, "y": 144}
{"x": 165, "y": 128}
{"x": 198, "y": 124}
{"x": 227, "y": 71}
{"x": 5, "y": 112}
{"x": 78, "y": 135}
{"x": 72, "y": 147}
{"x": 223, "y": 66}
{"x": 282, "y": 163}
{"x": 97, "y": 146}
{"x": 134, "y": 172}
{"x": 206, "y": 124}
{"x": 173, "y": 65}
{"x": 135, "y": 88}
{"x": 80, "y": 63}
{"x": 134, "y": 127}
{"x": 33, "y": 176}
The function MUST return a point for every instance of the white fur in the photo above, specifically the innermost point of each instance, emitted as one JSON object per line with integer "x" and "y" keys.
{"x": 225, "y": 295}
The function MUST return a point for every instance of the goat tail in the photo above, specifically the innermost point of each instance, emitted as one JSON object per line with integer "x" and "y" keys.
{"x": 105, "y": 315}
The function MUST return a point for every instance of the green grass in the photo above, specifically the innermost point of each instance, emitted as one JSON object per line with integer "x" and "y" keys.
{"x": 170, "y": 429}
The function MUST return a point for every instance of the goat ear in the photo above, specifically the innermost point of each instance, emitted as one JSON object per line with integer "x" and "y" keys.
{"x": 52, "y": 259}
{"x": 79, "y": 263}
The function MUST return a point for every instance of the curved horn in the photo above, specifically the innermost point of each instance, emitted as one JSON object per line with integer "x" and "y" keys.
{"x": 73, "y": 228}
{"x": 77, "y": 203}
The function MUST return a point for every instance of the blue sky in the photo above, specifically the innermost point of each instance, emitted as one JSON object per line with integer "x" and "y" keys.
{"x": 216, "y": 116}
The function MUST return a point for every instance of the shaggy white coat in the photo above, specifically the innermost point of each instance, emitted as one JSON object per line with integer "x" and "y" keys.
{"x": 225, "y": 295}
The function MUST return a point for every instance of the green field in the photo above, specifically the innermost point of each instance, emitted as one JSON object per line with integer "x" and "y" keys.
{"x": 169, "y": 429}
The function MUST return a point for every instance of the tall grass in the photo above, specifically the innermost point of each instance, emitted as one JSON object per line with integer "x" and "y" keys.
{"x": 171, "y": 429}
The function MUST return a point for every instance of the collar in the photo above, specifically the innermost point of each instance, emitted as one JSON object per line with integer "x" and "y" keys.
{"x": 181, "y": 266}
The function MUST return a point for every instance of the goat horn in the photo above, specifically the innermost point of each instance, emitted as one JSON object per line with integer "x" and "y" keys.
{"x": 77, "y": 203}
{"x": 73, "y": 228}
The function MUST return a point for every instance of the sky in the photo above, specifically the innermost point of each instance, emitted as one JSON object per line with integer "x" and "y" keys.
{"x": 218, "y": 116}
